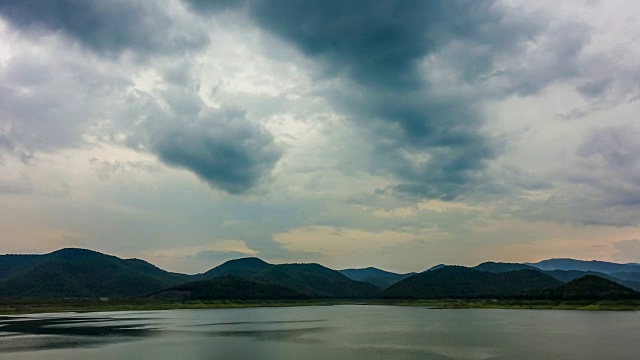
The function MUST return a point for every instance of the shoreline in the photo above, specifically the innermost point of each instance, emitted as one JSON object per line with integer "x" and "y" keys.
{"x": 91, "y": 305}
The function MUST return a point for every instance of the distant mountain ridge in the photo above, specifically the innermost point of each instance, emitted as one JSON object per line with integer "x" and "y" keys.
{"x": 567, "y": 275}
{"x": 498, "y": 267}
{"x": 586, "y": 287}
{"x": 74, "y": 272}
{"x": 380, "y": 278}
{"x": 582, "y": 265}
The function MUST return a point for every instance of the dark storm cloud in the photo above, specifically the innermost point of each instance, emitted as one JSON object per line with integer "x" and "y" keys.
{"x": 432, "y": 144}
{"x": 108, "y": 27}
{"x": 215, "y": 5}
{"x": 381, "y": 43}
{"x": 223, "y": 148}
{"x": 374, "y": 43}
{"x": 377, "y": 54}
{"x": 48, "y": 104}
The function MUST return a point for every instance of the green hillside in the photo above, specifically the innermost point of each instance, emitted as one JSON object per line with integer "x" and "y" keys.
{"x": 81, "y": 273}
{"x": 239, "y": 267}
{"x": 569, "y": 275}
{"x": 627, "y": 279}
{"x": 316, "y": 281}
{"x": 313, "y": 280}
{"x": 586, "y": 287}
{"x": 464, "y": 283}
{"x": 380, "y": 278}
{"x": 231, "y": 287}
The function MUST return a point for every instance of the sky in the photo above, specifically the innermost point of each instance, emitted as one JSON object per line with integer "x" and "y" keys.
{"x": 395, "y": 134}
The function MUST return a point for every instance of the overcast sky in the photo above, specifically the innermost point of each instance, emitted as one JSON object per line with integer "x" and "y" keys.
{"x": 396, "y": 134}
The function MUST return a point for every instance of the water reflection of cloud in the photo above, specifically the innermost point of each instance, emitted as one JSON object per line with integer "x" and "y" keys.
{"x": 258, "y": 322}
{"x": 28, "y": 334}
{"x": 296, "y": 335}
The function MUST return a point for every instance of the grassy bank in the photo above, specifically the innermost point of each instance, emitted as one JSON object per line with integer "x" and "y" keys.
{"x": 94, "y": 305}
{"x": 609, "y": 305}
{"x": 30, "y": 306}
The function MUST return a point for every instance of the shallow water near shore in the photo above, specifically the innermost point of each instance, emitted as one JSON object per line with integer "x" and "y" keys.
{"x": 323, "y": 332}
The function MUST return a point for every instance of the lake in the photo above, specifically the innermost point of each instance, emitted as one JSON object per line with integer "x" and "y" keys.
{"x": 351, "y": 332}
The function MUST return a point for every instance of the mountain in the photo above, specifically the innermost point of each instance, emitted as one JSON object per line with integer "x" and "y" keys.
{"x": 81, "y": 273}
{"x": 313, "y": 280}
{"x": 581, "y": 265}
{"x": 229, "y": 287}
{"x": 317, "y": 281}
{"x": 587, "y": 287}
{"x": 464, "y": 283}
{"x": 569, "y": 275}
{"x": 622, "y": 278}
{"x": 380, "y": 278}
{"x": 499, "y": 267}
{"x": 76, "y": 272}
{"x": 240, "y": 267}
{"x": 626, "y": 275}
{"x": 436, "y": 267}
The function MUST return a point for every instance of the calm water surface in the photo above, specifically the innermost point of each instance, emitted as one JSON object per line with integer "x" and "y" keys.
{"x": 325, "y": 332}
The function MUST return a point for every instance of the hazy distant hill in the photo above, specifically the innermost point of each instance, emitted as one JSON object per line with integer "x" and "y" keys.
{"x": 498, "y": 267}
{"x": 569, "y": 275}
{"x": 564, "y": 275}
{"x": 310, "y": 279}
{"x": 581, "y": 265}
{"x": 462, "y": 282}
{"x": 626, "y": 275}
{"x": 380, "y": 278}
{"x": 230, "y": 287}
{"x": 81, "y": 273}
{"x": 586, "y": 287}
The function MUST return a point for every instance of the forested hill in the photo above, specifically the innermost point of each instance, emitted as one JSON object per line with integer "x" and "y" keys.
{"x": 81, "y": 273}
{"x": 463, "y": 283}
{"x": 248, "y": 266}
{"x": 380, "y": 278}
{"x": 229, "y": 287}
{"x": 312, "y": 280}
{"x": 586, "y": 287}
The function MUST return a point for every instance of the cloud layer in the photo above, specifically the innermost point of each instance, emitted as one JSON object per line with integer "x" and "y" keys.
{"x": 453, "y": 128}
{"x": 223, "y": 148}
{"x": 108, "y": 27}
